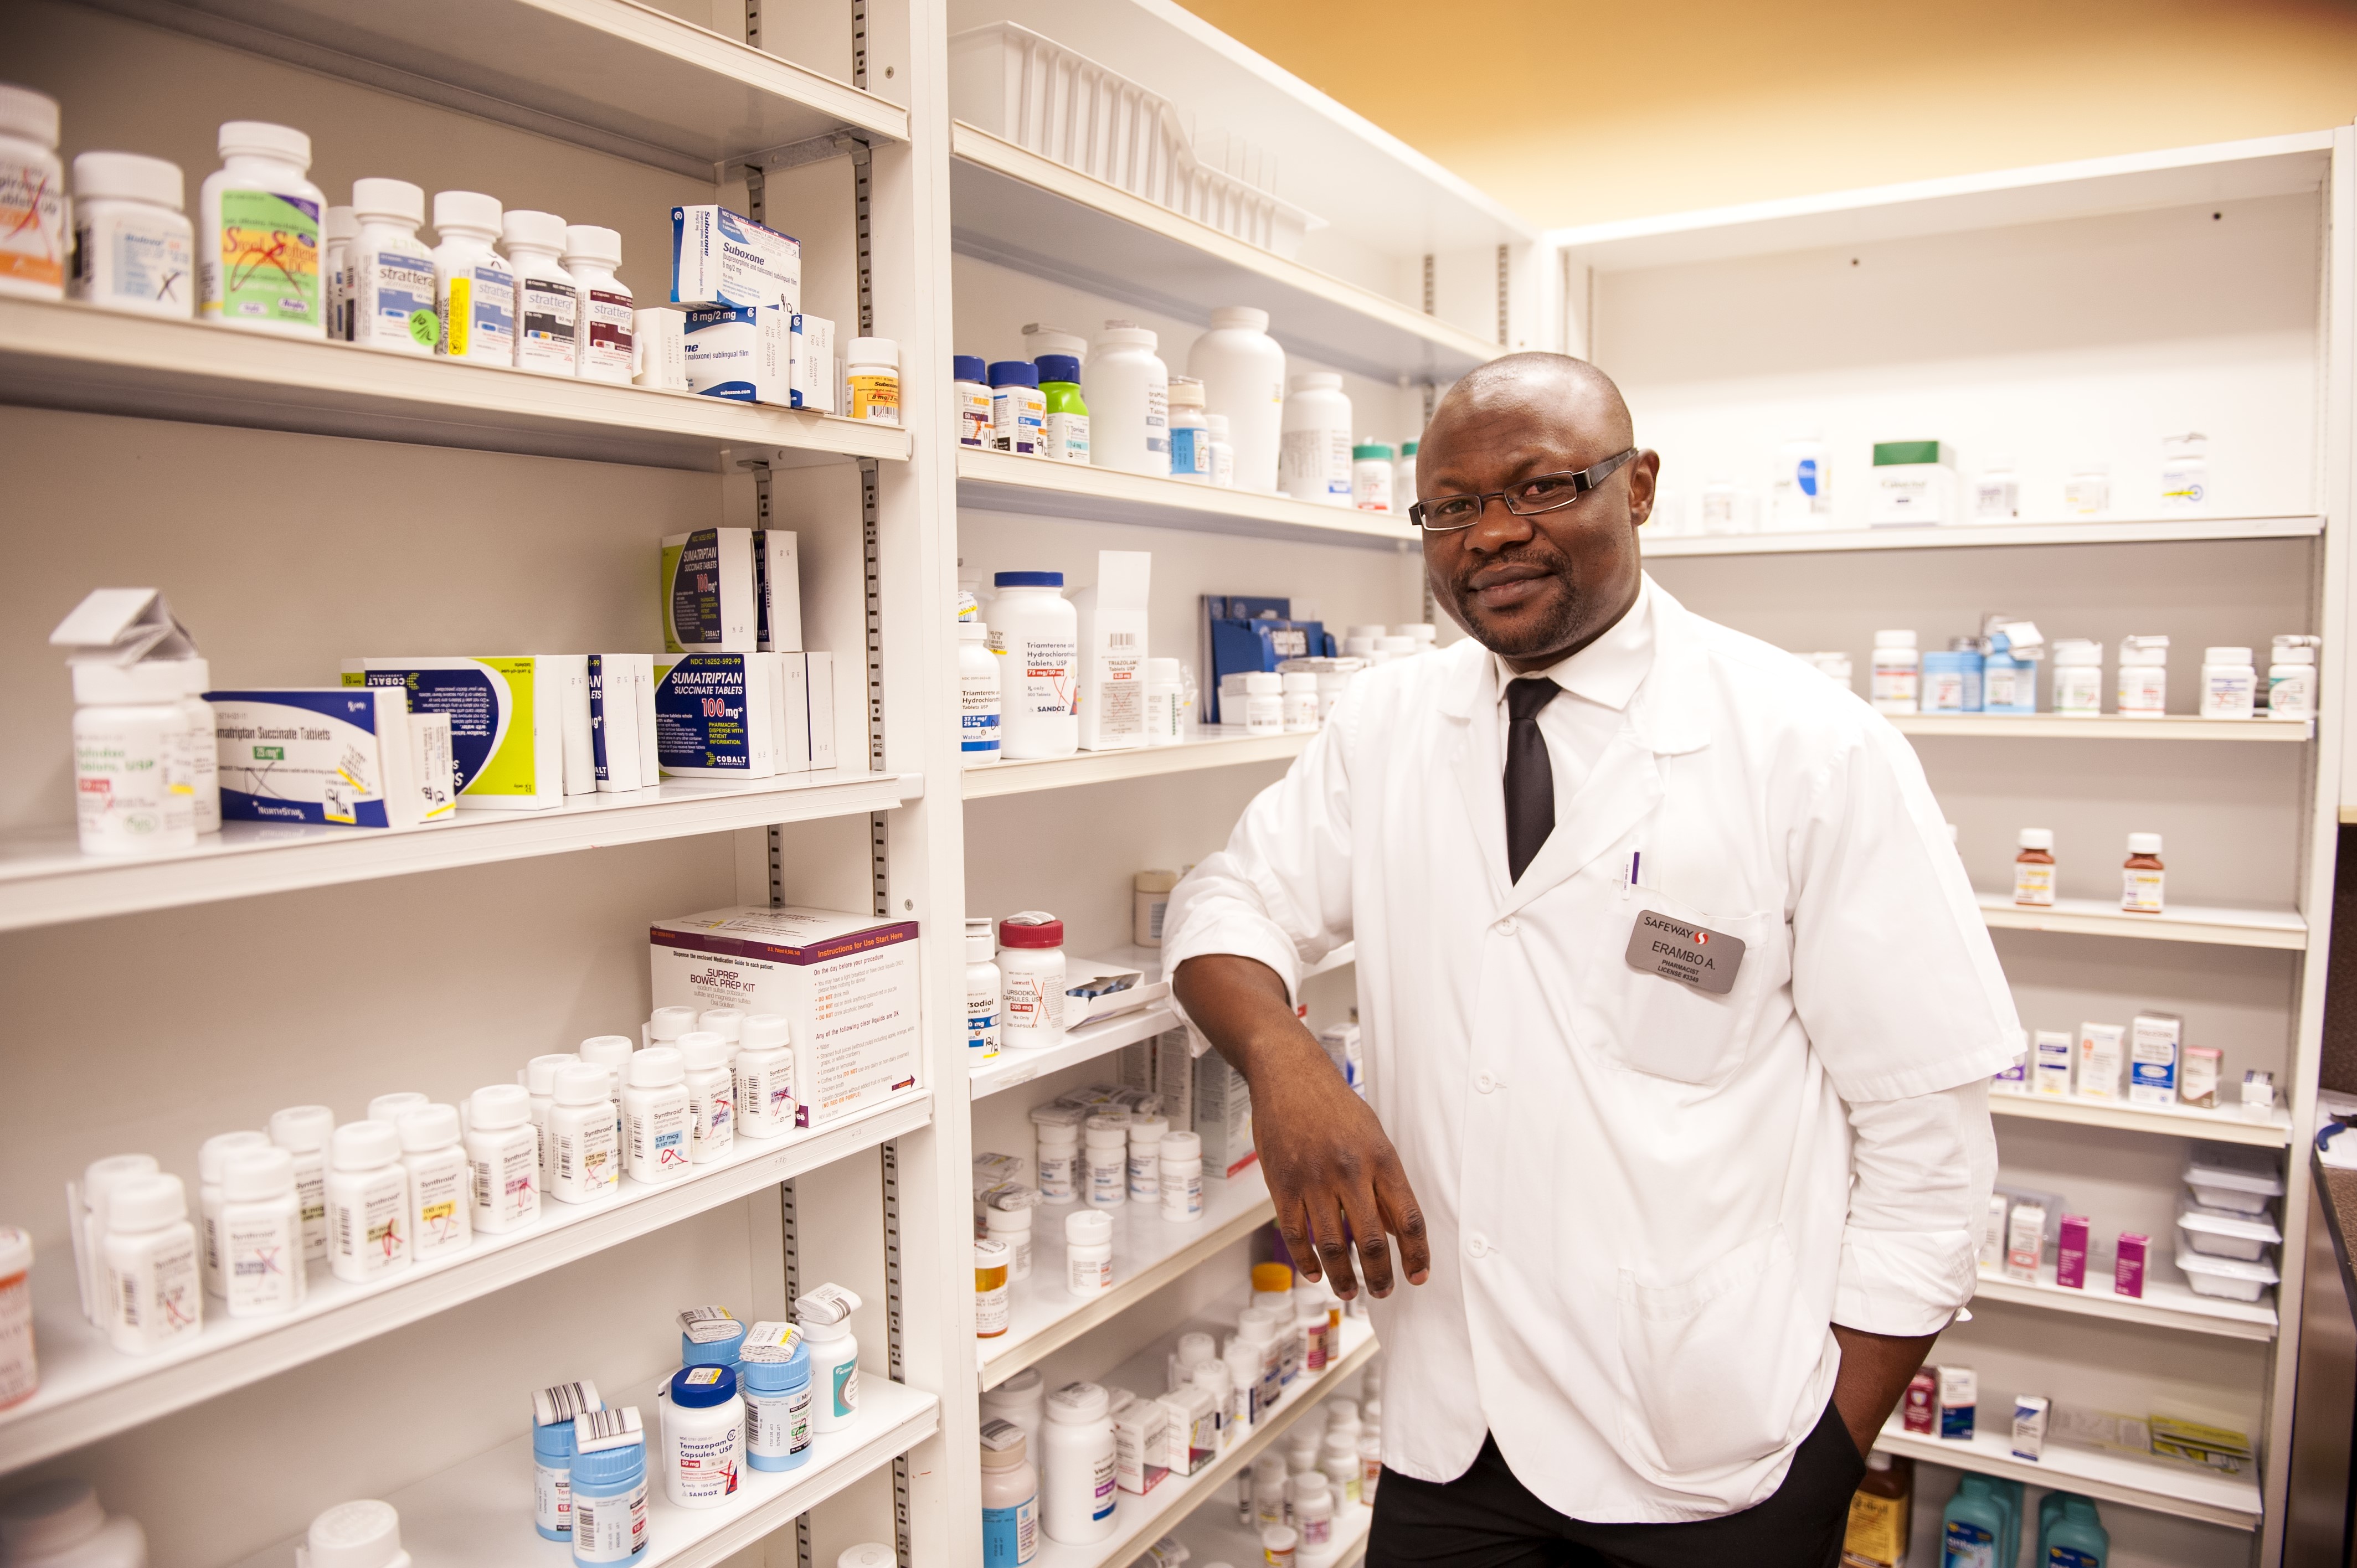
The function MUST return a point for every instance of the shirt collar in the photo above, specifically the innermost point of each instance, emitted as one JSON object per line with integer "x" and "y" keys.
{"x": 1608, "y": 670}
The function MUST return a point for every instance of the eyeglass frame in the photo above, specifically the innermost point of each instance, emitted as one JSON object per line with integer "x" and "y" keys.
{"x": 1582, "y": 481}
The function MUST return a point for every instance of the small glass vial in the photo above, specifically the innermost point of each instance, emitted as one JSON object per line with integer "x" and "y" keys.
{"x": 1997, "y": 494}
{"x": 2291, "y": 678}
{"x": 2230, "y": 683}
{"x": 2185, "y": 473}
{"x": 1898, "y": 681}
{"x": 992, "y": 1261}
{"x": 1088, "y": 1251}
{"x": 872, "y": 370}
{"x": 2078, "y": 676}
{"x": 2140, "y": 889}
{"x": 2033, "y": 869}
{"x": 2088, "y": 491}
{"x": 971, "y": 394}
{"x": 135, "y": 249}
{"x": 2143, "y": 677}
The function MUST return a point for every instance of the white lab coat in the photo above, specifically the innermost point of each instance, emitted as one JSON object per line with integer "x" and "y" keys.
{"x": 1638, "y": 1195}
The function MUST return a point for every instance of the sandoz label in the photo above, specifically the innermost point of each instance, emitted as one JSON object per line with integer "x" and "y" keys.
{"x": 32, "y": 225}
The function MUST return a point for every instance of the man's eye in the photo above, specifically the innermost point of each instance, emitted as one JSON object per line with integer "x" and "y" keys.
{"x": 1552, "y": 488}
{"x": 1455, "y": 508}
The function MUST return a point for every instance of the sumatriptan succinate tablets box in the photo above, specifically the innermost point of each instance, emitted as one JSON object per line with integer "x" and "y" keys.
{"x": 847, "y": 983}
{"x": 723, "y": 258}
{"x": 357, "y": 758}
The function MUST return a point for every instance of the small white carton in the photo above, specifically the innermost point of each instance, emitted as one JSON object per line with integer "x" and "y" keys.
{"x": 1111, "y": 704}
{"x": 811, "y": 371}
{"x": 738, "y": 352}
{"x": 777, "y": 590}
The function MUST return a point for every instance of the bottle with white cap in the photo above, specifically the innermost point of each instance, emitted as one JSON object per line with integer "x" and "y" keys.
{"x": 2143, "y": 686}
{"x": 711, "y": 1096}
{"x": 259, "y": 241}
{"x": 133, "y": 791}
{"x": 337, "y": 270}
{"x": 728, "y": 1023}
{"x": 612, "y": 1052}
{"x": 474, "y": 287}
{"x": 394, "y": 302}
{"x": 365, "y": 1534}
{"x": 1316, "y": 454}
{"x": 585, "y": 1160}
{"x": 261, "y": 1224}
{"x": 664, "y": 1025}
{"x": 547, "y": 299}
{"x": 204, "y": 743}
{"x": 441, "y": 1181}
{"x": 1165, "y": 701}
{"x": 2230, "y": 683}
{"x": 1299, "y": 698}
{"x": 32, "y": 196}
{"x": 2291, "y": 677}
{"x": 58, "y": 1523}
{"x": 986, "y": 994}
{"x": 303, "y": 1130}
{"x": 824, "y": 1316}
{"x": 765, "y": 1077}
{"x": 212, "y": 1161}
{"x": 2078, "y": 675}
{"x": 503, "y": 1158}
{"x": 867, "y": 1555}
{"x": 154, "y": 1294}
{"x": 1128, "y": 389}
{"x": 368, "y": 1199}
{"x": 134, "y": 250}
{"x": 1076, "y": 1475}
{"x": 591, "y": 254}
{"x": 871, "y": 375}
{"x": 1242, "y": 371}
{"x": 1224, "y": 452}
{"x": 539, "y": 1080}
{"x": 655, "y": 1115}
{"x": 1088, "y": 1252}
{"x": 981, "y": 702}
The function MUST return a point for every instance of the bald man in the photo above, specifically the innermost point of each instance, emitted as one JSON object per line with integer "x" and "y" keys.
{"x": 1678, "y": 1016}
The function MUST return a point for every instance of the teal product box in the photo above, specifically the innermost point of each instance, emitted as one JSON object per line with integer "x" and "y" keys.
{"x": 331, "y": 755}
{"x": 717, "y": 714}
{"x": 507, "y": 722}
{"x": 709, "y": 591}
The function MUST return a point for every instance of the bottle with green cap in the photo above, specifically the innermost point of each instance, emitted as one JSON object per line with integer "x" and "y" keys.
{"x": 1371, "y": 476}
{"x": 1065, "y": 435}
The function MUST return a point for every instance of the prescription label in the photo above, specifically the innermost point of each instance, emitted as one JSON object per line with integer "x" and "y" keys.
{"x": 876, "y": 398}
{"x": 1877, "y": 1537}
{"x": 32, "y": 225}
{"x": 268, "y": 259}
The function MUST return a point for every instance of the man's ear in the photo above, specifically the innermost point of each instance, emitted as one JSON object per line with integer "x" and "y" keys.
{"x": 1644, "y": 471}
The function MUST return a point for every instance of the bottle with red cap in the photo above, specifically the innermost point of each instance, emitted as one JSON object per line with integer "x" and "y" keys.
{"x": 1031, "y": 959}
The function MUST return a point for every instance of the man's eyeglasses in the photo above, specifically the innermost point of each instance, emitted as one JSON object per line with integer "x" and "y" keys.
{"x": 1524, "y": 497}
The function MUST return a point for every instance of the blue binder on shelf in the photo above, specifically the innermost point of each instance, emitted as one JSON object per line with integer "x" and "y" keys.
{"x": 1246, "y": 632}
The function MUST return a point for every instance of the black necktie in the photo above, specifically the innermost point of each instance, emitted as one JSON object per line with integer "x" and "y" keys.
{"x": 1529, "y": 778}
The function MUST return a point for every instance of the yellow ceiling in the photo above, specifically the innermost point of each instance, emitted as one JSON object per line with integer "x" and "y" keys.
{"x": 1574, "y": 112}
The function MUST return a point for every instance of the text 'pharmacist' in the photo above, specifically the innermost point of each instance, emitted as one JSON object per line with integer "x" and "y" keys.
{"x": 1678, "y": 1014}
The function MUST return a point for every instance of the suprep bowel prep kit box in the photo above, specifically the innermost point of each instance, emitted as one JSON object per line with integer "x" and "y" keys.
{"x": 847, "y": 983}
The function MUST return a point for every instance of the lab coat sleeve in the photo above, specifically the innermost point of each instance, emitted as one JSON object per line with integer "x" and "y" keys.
{"x": 1924, "y": 1168}
{"x": 1280, "y": 892}
{"x": 1893, "y": 973}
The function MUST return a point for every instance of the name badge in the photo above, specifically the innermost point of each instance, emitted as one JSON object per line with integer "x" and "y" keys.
{"x": 1691, "y": 955}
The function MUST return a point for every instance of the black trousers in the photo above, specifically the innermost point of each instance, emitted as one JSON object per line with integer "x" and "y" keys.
{"x": 1486, "y": 1518}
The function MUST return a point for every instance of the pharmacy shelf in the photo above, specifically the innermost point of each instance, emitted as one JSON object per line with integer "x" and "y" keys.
{"x": 2102, "y": 726}
{"x": 2186, "y": 1491}
{"x": 1983, "y": 536}
{"x": 2165, "y": 1304}
{"x": 621, "y": 78}
{"x": 75, "y": 357}
{"x": 1211, "y": 1534}
{"x": 2182, "y": 922}
{"x": 478, "y": 1513}
{"x": 1148, "y": 1252}
{"x": 2272, "y": 1131}
{"x": 46, "y": 880}
{"x": 2220, "y": 171}
{"x": 1103, "y": 1036}
{"x": 90, "y": 1391}
{"x": 1211, "y": 745}
{"x": 1024, "y": 211}
{"x": 1139, "y": 1520}
{"x": 1002, "y": 481}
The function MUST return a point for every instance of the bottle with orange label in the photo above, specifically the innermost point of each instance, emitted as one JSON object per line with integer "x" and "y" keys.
{"x": 872, "y": 376}
{"x": 2033, "y": 868}
{"x": 32, "y": 196}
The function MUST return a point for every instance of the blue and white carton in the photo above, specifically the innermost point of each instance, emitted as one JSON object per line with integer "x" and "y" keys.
{"x": 358, "y": 759}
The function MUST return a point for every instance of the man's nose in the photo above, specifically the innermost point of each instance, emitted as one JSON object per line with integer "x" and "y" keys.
{"x": 1497, "y": 528}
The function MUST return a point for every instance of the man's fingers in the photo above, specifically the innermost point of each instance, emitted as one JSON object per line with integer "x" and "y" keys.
{"x": 1332, "y": 1246}
{"x": 1298, "y": 1243}
{"x": 1404, "y": 1218}
{"x": 1374, "y": 1248}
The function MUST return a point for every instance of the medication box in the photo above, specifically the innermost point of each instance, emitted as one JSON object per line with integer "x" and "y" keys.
{"x": 2153, "y": 1042}
{"x": 2103, "y": 1050}
{"x": 1111, "y": 613}
{"x": 737, "y": 352}
{"x": 1914, "y": 484}
{"x": 506, "y": 722}
{"x": 622, "y": 721}
{"x": 723, "y": 258}
{"x": 1223, "y": 1116}
{"x": 710, "y": 591}
{"x": 331, "y": 755}
{"x": 810, "y": 370}
{"x": 777, "y": 591}
{"x": 717, "y": 715}
{"x": 847, "y": 982}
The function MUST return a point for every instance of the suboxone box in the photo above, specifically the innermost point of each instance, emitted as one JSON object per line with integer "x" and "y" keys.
{"x": 740, "y": 353}
{"x": 847, "y": 982}
{"x": 331, "y": 755}
{"x": 777, "y": 590}
{"x": 720, "y": 257}
{"x": 709, "y": 590}
{"x": 507, "y": 722}
{"x": 717, "y": 715}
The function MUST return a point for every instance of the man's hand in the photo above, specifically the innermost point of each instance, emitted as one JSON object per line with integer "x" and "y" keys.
{"x": 1335, "y": 1176}
{"x": 1875, "y": 1371}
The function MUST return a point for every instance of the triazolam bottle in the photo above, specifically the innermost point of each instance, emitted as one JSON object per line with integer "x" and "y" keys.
{"x": 2140, "y": 889}
{"x": 2033, "y": 869}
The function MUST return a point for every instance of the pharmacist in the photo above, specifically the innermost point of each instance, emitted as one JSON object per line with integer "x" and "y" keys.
{"x": 1679, "y": 1017}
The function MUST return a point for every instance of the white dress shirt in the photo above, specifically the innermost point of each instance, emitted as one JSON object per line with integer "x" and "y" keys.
{"x": 1646, "y": 1203}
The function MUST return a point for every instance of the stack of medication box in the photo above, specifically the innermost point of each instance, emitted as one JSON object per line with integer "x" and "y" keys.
{"x": 745, "y": 337}
{"x": 735, "y": 695}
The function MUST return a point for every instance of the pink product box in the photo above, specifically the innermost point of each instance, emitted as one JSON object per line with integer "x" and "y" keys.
{"x": 2127, "y": 1274}
{"x": 2071, "y": 1253}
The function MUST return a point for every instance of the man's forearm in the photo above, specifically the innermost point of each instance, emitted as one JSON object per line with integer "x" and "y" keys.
{"x": 1875, "y": 1371}
{"x": 1240, "y": 1005}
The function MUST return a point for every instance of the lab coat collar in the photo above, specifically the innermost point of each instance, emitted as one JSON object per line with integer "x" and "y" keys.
{"x": 1608, "y": 670}
{"x": 1668, "y": 707}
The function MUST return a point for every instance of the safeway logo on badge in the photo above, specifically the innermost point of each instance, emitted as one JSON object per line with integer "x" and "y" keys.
{"x": 1701, "y": 938}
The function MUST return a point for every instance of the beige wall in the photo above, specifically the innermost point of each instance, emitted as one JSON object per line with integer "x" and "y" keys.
{"x": 1573, "y": 112}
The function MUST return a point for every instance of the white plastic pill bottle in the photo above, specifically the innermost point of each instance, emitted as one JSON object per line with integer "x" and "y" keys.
{"x": 1077, "y": 1479}
{"x": 1145, "y": 1135}
{"x": 547, "y": 298}
{"x": 1105, "y": 1161}
{"x": 1031, "y": 962}
{"x": 394, "y": 307}
{"x": 1242, "y": 372}
{"x": 434, "y": 1152}
{"x": 1263, "y": 705}
{"x": 1897, "y": 676}
{"x": 1166, "y": 703}
{"x": 606, "y": 315}
{"x": 474, "y": 288}
{"x": 261, "y": 1224}
{"x": 1181, "y": 1154}
{"x": 1057, "y": 1129}
{"x": 364, "y": 1534}
{"x": 133, "y": 793}
{"x": 1370, "y": 476}
{"x": 980, "y": 702}
{"x": 1088, "y": 1252}
{"x": 824, "y": 1316}
{"x": 213, "y": 1163}
{"x": 58, "y": 1523}
{"x": 1300, "y": 701}
{"x": 2291, "y": 677}
{"x": 1190, "y": 432}
{"x": 970, "y": 395}
{"x": 765, "y": 1076}
{"x": 1316, "y": 452}
{"x": 2144, "y": 676}
{"x": 154, "y": 1294}
{"x": 303, "y": 1130}
{"x": 655, "y": 1116}
{"x": 1021, "y": 1399}
{"x": 584, "y": 1160}
{"x": 872, "y": 380}
{"x": 986, "y": 994}
{"x": 2230, "y": 683}
{"x": 2078, "y": 675}
{"x": 204, "y": 744}
{"x": 503, "y": 1158}
{"x": 1224, "y": 452}
{"x": 703, "y": 1437}
{"x": 135, "y": 249}
{"x": 368, "y": 1202}
{"x": 1009, "y": 1218}
{"x": 260, "y": 238}
{"x": 1128, "y": 391}
{"x": 1039, "y": 633}
{"x": 32, "y": 196}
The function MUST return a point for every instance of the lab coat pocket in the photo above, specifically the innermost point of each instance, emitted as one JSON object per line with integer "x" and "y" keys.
{"x": 1714, "y": 1383}
{"x": 1653, "y": 1024}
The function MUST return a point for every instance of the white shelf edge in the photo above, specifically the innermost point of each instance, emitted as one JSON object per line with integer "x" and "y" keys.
{"x": 2104, "y": 726}
{"x": 2173, "y": 1121}
{"x": 2186, "y": 1491}
{"x": 478, "y": 1513}
{"x": 1213, "y": 745}
{"x": 2279, "y": 928}
{"x": 47, "y": 888}
{"x": 1003, "y": 481}
{"x": 2164, "y": 1304}
{"x": 102, "y": 1391}
{"x": 1971, "y": 536}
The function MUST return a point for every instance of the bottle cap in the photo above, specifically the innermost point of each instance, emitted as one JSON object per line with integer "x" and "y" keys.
{"x": 147, "y": 681}
{"x": 699, "y": 1387}
{"x": 1057, "y": 368}
{"x": 1079, "y": 1402}
{"x": 967, "y": 368}
{"x": 1087, "y": 1228}
{"x": 728, "y": 1023}
{"x": 388, "y": 1108}
{"x": 30, "y": 114}
{"x": 1105, "y": 1133}
{"x": 867, "y": 1555}
{"x": 1186, "y": 392}
{"x": 1407, "y": 448}
{"x": 533, "y": 230}
{"x": 656, "y": 1067}
{"x": 1026, "y": 580}
{"x": 215, "y": 1152}
{"x": 1033, "y": 928}
{"x": 2143, "y": 844}
{"x": 609, "y": 1050}
{"x": 342, "y": 223}
{"x": 355, "y": 1535}
{"x": 128, "y": 176}
{"x": 1271, "y": 1277}
{"x": 1014, "y": 373}
{"x": 1370, "y": 452}
{"x": 991, "y": 1253}
{"x": 264, "y": 139}
{"x": 1317, "y": 380}
{"x": 302, "y": 1128}
{"x": 470, "y": 210}
{"x": 2036, "y": 838}
{"x": 539, "y": 1074}
{"x": 1127, "y": 337}
{"x": 1181, "y": 1148}
{"x": 1309, "y": 1486}
{"x": 588, "y": 242}
{"x": 1280, "y": 1538}
{"x": 2226, "y": 656}
{"x": 256, "y": 1175}
{"x": 364, "y": 1145}
{"x": 763, "y": 1030}
{"x": 980, "y": 946}
{"x": 430, "y": 1127}
{"x": 873, "y": 351}
{"x": 1901, "y": 638}
{"x": 1264, "y": 683}
{"x": 973, "y": 631}
{"x": 582, "y": 1083}
{"x": 394, "y": 198}
{"x": 1003, "y": 1445}
{"x": 1249, "y": 318}
{"x": 497, "y": 1106}
{"x": 700, "y": 1050}
{"x": 670, "y": 1023}
{"x": 147, "y": 1202}
{"x": 1217, "y": 424}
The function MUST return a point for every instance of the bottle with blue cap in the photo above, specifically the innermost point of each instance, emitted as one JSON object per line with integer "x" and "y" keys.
{"x": 773, "y": 1377}
{"x": 609, "y": 1486}
{"x": 971, "y": 392}
{"x": 553, "y": 1411}
{"x": 703, "y": 1436}
{"x": 1018, "y": 410}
